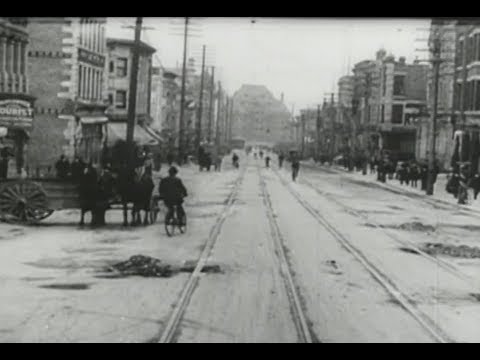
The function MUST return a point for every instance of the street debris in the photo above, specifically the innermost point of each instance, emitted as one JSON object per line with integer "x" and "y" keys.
{"x": 140, "y": 265}
{"x": 461, "y": 251}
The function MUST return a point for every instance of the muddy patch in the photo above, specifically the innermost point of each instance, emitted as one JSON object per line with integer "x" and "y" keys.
{"x": 117, "y": 239}
{"x": 395, "y": 207}
{"x": 409, "y": 250}
{"x": 75, "y": 286}
{"x": 460, "y": 251}
{"x": 89, "y": 250}
{"x": 206, "y": 203}
{"x": 466, "y": 227}
{"x": 412, "y": 226}
{"x": 68, "y": 263}
{"x": 37, "y": 278}
{"x": 189, "y": 266}
{"x": 475, "y": 296}
{"x": 380, "y": 212}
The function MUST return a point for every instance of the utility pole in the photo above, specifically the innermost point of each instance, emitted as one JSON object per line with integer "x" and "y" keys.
{"x": 181, "y": 134}
{"x": 210, "y": 111}
{"x": 200, "y": 104}
{"x": 317, "y": 142}
{"x": 230, "y": 123}
{"x": 217, "y": 124}
{"x": 303, "y": 135}
{"x": 132, "y": 100}
{"x": 436, "y": 61}
{"x": 226, "y": 120}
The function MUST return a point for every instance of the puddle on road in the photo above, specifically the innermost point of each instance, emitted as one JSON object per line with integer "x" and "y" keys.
{"x": 75, "y": 286}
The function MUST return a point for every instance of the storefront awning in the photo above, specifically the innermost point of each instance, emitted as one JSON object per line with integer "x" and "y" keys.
{"x": 93, "y": 120}
{"x": 154, "y": 134}
{"x": 118, "y": 131}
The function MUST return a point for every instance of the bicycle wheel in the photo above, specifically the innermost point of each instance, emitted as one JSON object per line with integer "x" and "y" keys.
{"x": 170, "y": 224}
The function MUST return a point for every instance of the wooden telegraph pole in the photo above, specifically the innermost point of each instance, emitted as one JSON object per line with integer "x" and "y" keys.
{"x": 217, "y": 124}
{"x": 436, "y": 61}
{"x": 319, "y": 125}
{"x": 210, "y": 110}
{"x": 181, "y": 133}
{"x": 200, "y": 104}
{"x": 132, "y": 100}
{"x": 303, "y": 135}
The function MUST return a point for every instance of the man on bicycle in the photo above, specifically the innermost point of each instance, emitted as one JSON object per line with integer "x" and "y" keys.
{"x": 172, "y": 191}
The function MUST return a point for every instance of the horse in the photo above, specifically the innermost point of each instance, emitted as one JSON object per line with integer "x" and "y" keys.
{"x": 136, "y": 188}
{"x": 143, "y": 188}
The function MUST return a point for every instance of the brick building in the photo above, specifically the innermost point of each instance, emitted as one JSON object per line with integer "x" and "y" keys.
{"x": 67, "y": 62}
{"x": 16, "y": 103}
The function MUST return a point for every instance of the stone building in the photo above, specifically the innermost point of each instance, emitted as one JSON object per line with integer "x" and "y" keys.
{"x": 258, "y": 117}
{"x": 446, "y": 32}
{"x": 120, "y": 57}
{"x": 66, "y": 63}
{"x": 16, "y": 102}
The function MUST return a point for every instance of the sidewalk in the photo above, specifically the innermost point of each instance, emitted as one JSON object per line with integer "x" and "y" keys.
{"x": 440, "y": 193}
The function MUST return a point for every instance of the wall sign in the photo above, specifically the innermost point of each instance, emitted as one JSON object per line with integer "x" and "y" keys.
{"x": 16, "y": 114}
{"x": 91, "y": 58}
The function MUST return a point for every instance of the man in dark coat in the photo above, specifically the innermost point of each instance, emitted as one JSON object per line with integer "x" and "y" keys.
{"x": 172, "y": 191}
{"x": 63, "y": 167}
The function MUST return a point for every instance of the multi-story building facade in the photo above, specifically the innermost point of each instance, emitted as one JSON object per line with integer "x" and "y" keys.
{"x": 16, "y": 103}
{"x": 66, "y": 63}
{"x": 156, "y": 98}
{"x": 445, "y": 31}
{"x": 120, "y": 57}
{"x": 403, "y": 99}
{"x": 259, "y": 117}
{"x": 466, "y": 94}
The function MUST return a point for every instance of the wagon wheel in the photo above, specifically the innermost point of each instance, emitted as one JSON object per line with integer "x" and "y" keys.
{"x": 24, "y": 201}
{"x": 154, "y": 209}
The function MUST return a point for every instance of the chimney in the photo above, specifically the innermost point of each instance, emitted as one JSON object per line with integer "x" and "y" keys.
{"x": 402, "y": 60}
{"x": 281, "y": 98}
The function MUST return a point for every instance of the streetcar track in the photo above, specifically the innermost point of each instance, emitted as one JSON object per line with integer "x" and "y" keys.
{"x": 404, "y": 300}
{"x": 303, "y": 330}
{"x": 451, "y": 268}
{"x": 174, "y": 321}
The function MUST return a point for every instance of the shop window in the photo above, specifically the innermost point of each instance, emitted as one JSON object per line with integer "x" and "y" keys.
{"x": 121, "y": 99}
{"x": 122, "y": 67}
{"x": 397, "y": 114}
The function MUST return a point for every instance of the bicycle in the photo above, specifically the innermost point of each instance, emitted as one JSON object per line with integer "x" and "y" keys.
{"x": 172, "y": 222}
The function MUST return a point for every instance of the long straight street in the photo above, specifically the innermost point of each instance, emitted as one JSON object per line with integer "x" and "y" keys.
{"x": 325, "y": 259}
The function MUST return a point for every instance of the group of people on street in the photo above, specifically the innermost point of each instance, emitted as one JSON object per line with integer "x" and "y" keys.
{"x": 460, "y": 180}
{"x": 409, "y": 173}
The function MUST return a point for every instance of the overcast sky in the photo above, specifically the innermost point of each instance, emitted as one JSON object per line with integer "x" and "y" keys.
{"x": 301, "y": 57}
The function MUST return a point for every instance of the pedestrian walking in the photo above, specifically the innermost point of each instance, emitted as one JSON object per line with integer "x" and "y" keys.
{"x": 295, "y": 167}
{"x": 281, "y": 158}
{"x": 267, "y": 161}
